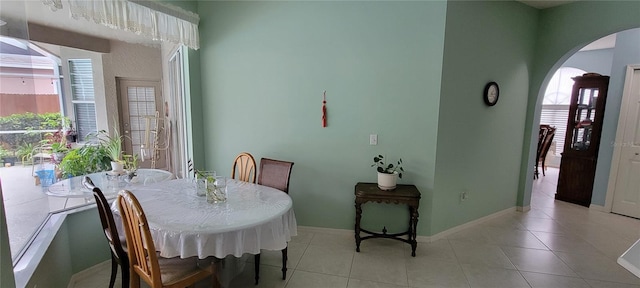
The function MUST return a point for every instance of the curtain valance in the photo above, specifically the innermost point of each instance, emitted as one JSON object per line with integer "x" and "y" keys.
{"x": 152, "y": 19}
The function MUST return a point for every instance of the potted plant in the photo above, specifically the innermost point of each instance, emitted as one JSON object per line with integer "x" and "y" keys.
{"x": 25, "y": 152}
{"x": 130, "y": 165}
{"x": 113, "y": 146}
{"x": 59, "y": 150}
{"x": 84, "y": 160}
{"x": 387, "y": 172}
{"x": 69, "y": 133}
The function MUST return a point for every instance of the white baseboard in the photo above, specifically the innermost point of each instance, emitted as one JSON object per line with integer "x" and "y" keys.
{"x": 469, "y": 224}
{"x": 421, "y": 239}
{"x": 598, "y": 208}
{"x": 523, "y": 208}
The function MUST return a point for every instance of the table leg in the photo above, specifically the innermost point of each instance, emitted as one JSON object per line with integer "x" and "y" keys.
{"x": 357, "y": 228}
{"x": 413, "y": 225}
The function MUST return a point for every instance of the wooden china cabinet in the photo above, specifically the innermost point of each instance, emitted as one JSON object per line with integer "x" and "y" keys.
{"x": 578, "y": 164}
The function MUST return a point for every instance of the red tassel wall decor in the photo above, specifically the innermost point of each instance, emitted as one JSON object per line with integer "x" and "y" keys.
{"x": 324, "y": 109}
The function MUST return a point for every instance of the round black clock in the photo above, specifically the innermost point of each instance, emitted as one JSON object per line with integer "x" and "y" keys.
{"x": 491, "y": 93}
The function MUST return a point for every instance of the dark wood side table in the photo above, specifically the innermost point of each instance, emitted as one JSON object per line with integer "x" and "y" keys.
{"x": 403, "y": 194}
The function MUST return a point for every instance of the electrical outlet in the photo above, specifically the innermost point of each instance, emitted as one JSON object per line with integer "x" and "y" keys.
{"x": 373, "y": 139}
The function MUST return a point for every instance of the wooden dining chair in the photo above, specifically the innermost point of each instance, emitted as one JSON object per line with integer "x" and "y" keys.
{"x": 145, "y": 263}
{"x": 245, "y": 165}
{"x": 116, "y": 242}
{"x": 275, "y": 174}
{"x": 545, "y": 137}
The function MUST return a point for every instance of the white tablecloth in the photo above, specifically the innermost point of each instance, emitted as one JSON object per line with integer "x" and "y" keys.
{"x": 182, "y": 224}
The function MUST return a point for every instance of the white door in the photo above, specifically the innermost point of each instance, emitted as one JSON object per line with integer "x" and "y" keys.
{"x": 140, "y": 106}
{"x": 626, "y": 199}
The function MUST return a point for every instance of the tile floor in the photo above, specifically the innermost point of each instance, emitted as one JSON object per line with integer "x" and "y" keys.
{"x": 556, "y": 244}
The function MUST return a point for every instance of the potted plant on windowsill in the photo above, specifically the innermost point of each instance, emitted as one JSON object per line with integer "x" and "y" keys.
{"x": 113, "y": 146}
{"x": 387, "y": 172}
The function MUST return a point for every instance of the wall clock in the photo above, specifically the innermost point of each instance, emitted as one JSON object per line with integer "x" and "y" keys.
{"x": 491, "y": 93}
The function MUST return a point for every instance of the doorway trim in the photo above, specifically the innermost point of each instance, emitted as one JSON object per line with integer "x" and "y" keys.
{"x": 613, "y": 172}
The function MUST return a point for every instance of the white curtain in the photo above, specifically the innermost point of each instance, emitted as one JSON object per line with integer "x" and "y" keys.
{"x": 155, "y": 20}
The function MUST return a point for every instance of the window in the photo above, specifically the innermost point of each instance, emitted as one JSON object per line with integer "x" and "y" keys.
{"x": 83, "y": 96}
{"x": 555, "y": 105}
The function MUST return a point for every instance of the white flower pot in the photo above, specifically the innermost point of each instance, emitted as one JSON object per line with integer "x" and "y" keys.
{"x": 387, "y": 181}
{"x": 117, "y": 166}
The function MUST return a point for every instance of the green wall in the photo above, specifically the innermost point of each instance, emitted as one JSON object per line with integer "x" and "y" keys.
{"x": 78, "y": 244}
{"x": 562, "y": 31}
{"x": 265, "y": 66}
{"x": 479, "y": 147}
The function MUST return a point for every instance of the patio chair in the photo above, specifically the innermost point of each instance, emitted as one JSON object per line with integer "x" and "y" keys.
{"x": 275, "y": 174}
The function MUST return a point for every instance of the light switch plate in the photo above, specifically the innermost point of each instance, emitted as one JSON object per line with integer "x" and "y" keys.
{"x": 373, "y": 139}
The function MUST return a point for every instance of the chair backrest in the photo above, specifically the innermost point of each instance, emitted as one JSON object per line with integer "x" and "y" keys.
{"x": 542, "y": 134}
{"x": 275, "y": 174}
{"x": 245, "y": 165}
{"x": 142, "y": 252}
{"x": 106, "y": 219}
{"x": 546, "y": 143}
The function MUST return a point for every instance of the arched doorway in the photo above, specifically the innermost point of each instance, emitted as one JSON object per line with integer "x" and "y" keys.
{"x": 608, "y": 60}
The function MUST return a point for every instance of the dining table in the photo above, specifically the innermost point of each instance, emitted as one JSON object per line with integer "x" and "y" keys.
{"x": 183, "y": 224}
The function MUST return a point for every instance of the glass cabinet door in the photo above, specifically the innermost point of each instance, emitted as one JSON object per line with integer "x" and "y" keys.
{"x": 585, "y": 116}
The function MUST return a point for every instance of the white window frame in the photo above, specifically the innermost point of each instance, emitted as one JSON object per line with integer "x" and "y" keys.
{"x": 80, "y": 123}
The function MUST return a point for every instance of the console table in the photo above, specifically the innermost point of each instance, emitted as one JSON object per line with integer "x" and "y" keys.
{"x": 403, "y": 194}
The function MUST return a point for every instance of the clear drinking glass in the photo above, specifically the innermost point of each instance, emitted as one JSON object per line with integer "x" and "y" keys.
{"x": 204, "y": 181}
{"x": 219, "y": 192}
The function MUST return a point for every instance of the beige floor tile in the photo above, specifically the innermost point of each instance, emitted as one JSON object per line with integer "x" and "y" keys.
{"x": 481, "y": 254}
{"x": 427, "y": 273}
{"x": 490, "y": 277}
{"x": 604, "y": 284}
{"x": 382, "y": 267}
{"x": 303, "y": 279}
{"x": 514, "y": 238}
{"x": 565, "y": 243}
{"x": 538, "y": 280}
{"x": 440, "y": 249}
{"x": 357, "y": 283}
{"x": 541, "y": 261}
{"x": 327, "y": 260}
{"x": 597, "y": 267}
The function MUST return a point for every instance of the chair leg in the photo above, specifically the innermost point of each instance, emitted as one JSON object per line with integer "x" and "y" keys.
{"x": 543, "y": 167}
{"x": 114, "y": 271}
{"x": 257, "y": 267}
{"x": 284, "y": 263}
{"x": 125, "y": 276}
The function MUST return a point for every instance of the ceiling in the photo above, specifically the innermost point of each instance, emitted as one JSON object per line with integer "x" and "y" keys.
{"x": 543, "y": 4}
{"x": 39, "y": 13}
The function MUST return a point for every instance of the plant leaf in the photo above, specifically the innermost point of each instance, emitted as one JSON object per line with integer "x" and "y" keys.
{"x": 376, "y": 159}
{"x": 400, "y": 175}
{"x": 380, "y": 170}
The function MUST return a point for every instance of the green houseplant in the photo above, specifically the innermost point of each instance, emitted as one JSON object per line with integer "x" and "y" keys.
{"x": 387, "y": 172}
{"x": 25, "y": 152}
{"x": 113, "y": 147}
{"x": 85, "y": 160}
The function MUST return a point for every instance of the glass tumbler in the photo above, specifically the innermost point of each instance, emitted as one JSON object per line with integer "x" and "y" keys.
{"x": 219, "y": 192}
{"x": 204, "y": 182}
